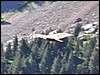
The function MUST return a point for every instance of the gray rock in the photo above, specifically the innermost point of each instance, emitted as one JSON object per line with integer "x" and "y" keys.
{"x": 51, "y": 16}
{"x": 91, "y": 30}
{"x": 86, "y": 27}
{"x": 73, "y": 25}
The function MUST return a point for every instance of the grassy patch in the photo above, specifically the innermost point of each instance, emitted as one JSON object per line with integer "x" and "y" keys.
{"x": 6, "y": 15}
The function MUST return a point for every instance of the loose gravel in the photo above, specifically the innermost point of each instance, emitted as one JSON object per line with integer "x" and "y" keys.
{"x": 48, "y": 17}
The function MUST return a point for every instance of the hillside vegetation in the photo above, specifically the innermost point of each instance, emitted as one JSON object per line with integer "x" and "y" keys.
{"x": 73, "y": 56}
{"x": 21, "y": 53}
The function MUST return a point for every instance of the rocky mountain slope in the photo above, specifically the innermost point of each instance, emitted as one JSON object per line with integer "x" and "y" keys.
{"x": 60, "y": 14}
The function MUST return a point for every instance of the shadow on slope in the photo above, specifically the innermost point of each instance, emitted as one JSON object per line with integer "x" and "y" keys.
{"x": 5, "y": 23}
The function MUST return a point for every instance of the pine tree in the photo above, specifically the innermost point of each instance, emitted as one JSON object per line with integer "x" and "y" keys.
{"x": 62, "y": 70}
{"x": 31, "y": 65}
{"x": 94, "y": 62}
{"x": 35, "y": 51}
{"x": 24, "y": 49}
{"x": 71, "y": 43}
{"x": 87, "y": 50}
{"x": 15, "y": 45}
{"x": 77, "y": 30}
{"x": 56, "y": 66}
{"x": 16, "y": 66}
{"x": 31, "y": 44}
{"x": 9, "y": 53}
{"x": 47, "y": 60}
{"x": 80, "y": 69}
{"x": 43, "y": 47}
{"x": 3, "y": 67}
{"x": 65, "y": 58}
{"x": 69, "y": 65}
{"x": 2, "y": 52}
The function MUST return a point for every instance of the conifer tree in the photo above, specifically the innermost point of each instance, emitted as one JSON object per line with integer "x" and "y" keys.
{"x": 65, "y": 58}
{"x": 3, "y": 67}
{"x": 31, "y": 44}
{"x": 47, "y": 60}
{"x": 77, "y": 30}
{"x": 15, "y": 45}
{"x": 62, "y": 70}
{"x": 16, "y": 66}
{"x": 69, "y": 65}
{"x": 2, "y": 52}
{"x": 94, "y": 62}
{"x": 42, "y": 48}
{"x": 31, "y": 65}
{"x": 35, "y": 51}
{"x": 24, "y": 49}
{"x": 9, "y": 53}
{"x": 56, "y": 66}
{"x": 87, "y": 50}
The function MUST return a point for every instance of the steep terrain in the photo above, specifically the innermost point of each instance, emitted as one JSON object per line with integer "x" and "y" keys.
{"x": 57, "y": 15}
{"x": 69, "y": 43}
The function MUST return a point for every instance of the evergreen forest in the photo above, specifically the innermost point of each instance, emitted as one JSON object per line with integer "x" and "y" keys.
{"x": 73, "y": 56}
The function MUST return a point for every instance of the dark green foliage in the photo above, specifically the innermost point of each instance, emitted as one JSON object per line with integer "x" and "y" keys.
{"x": 47, "y": 60}
{"x": 77, "y": 30}
{"x": 94, "y": 62}
{"x": 2, "y": 67}
{"x": 15, "y": 45}
{"x": 16, "y": 66}
{"x": 2, "y": 52}
{"x": 56, "y": 66}
{"x": 2, "y": 60}
{"x": 35, "y": 53}
{"x": 9, "y": 53}
{"x": 62, "y": 70}
{"x": 30, "y": 66}
{"x": 30, "y": 45}
{"x": 69, "y": 65}
{"x": 42, "y": 48}
{"x": 43, "y": 57}
{"x": 24, "y": 49}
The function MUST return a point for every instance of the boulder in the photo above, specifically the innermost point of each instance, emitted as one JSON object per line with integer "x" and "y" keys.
{"x": 86, "y": 27}
{"x": 73, "y": 25}
{"x": 55, "y": 31}
{"x": 91, "y": 30}
{"x": 91, "y": 25}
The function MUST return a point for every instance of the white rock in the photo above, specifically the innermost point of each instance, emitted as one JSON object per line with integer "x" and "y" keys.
{"x": 93, "y": 14}
{"x": 80, "y": 36}
{"x": 96, "y": 33}
{"x": 88, "y": 26}
{"x": 91, "y": 30}
{"x": 4, "y": 47}
{"x": 73, "y": 25}
{"x": 55, "y": 31}
{"x": 10, "y": 41}
{"x": 95, "y": 23}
